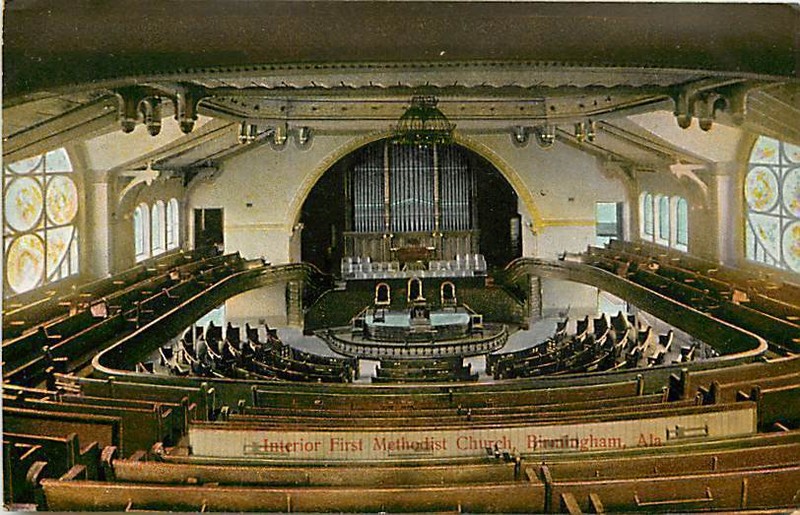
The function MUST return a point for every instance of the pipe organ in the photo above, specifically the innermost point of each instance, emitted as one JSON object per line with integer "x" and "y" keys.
{"x": 408, "y": 200}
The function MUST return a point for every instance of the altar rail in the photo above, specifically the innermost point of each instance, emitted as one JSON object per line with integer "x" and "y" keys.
{"x": 473, "y": 346}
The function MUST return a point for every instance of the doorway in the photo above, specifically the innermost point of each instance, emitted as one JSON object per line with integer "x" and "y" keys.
{"x": 208, "y": 228}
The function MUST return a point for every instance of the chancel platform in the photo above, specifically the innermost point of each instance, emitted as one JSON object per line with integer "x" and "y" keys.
{"x": 418, "y": 332}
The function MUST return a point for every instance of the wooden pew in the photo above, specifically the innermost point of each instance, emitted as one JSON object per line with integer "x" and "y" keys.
{"x": 222, "y": 473}
{"x": 460, "y": 419}
{"x": 105, "y": 430}
{"x": 141, "y": 426}
{"x": 513, "y": 395}
{"x": 19, "y": 458}
{"x": 674, "y": 462}
{"x": 62, "y": 452}
{"x": 731, "y": 490}
{"x": 521, "y": 497}
{"x": 199, "y": 401}
{"x": 434, "y": 412}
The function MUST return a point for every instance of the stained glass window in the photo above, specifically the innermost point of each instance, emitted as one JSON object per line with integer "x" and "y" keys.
{"x": 40, "y": 208}
{"x": 141, "y": 231}
{"x": 173, "y": 225}
{"x": 772, "y": 196}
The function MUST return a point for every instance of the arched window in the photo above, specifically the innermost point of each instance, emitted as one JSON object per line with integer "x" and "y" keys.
{"x": 647, "y": 214}
{"x": 772, "y": 196}
{"x": 173, "y": 225}
{"x": 663, "y": 219}
{"x": 682, "y": 224}
{"x": 141, "y": 231}
{"x": 158, "y": 230}
{"x": 40, "y": 210}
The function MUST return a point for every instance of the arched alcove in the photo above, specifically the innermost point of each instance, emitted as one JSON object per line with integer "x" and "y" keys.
{"x": 403, "y": 203}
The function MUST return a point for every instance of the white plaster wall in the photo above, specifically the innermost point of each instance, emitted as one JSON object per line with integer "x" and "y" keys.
{"x": 267, "y": 303}
{"x": 552, "y": 241}
{"x": 558, "y": 189}
{"x": 274, "y": 183}
{"x": 115, "y": 148}
{"x": 719, "y": 145}
{"x": 557, "y": 295}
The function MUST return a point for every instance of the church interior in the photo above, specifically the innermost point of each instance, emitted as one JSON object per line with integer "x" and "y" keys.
{"x": 380, "y": 257}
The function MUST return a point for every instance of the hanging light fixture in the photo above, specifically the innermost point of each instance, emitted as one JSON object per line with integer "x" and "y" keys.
{"x": 423, "y": 124}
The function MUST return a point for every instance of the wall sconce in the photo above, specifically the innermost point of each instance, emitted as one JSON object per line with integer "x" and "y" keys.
{"x": 279, "y": 135}
{"x": 545, "y": 135}
{"x": 519, "y": 136}
{"x": 580, "y": 131}
{"x": 591, "y": 130}
{"x": 247, "y": 132}
{"x": 302, "y": 137}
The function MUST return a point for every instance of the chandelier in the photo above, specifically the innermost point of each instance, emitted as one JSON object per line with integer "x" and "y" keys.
{"x": 423, "y": 124}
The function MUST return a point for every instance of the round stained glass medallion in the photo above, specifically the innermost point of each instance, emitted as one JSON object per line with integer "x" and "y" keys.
{"x": 25, "y": 263}
{"x": 791, "y": 192}
{"x": 23, "y": 203}
{"x": 791, "y": 246}
{"x": 26, "y": 165}
{"x": 761, "y": 189}
{"x": 62, "y": 200}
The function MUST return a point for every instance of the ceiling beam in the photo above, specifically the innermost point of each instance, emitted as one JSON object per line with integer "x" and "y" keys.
{"x": 209, "y": 131}
{"x": 60, "y": 129}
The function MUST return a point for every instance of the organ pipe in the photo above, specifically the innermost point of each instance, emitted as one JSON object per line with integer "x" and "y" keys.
{"x": 397, "y": 188}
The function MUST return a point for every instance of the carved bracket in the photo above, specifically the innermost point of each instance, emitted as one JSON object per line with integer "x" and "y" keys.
{"x": 705, "y": 99}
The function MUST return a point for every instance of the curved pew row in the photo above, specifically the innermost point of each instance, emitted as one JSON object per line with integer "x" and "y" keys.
{"x": 74, "y": 341}
{"x": 723, "y": 279}
{"x": 734, "y": 453}
{"x": 127, "y": 294}
{"x": 431, "y": 439}
{"x": 116, "y": 360}
{"x": 721, "y": 491}
{"x": 750, "y": 302}
{"x": 26, "y": 312}
{"x": 598, "y": 345}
